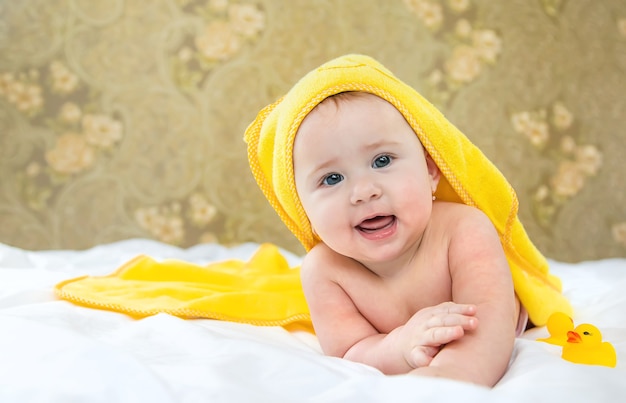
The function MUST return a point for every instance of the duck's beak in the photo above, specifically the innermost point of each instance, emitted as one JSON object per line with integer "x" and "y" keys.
{"x": 573, "y": 337}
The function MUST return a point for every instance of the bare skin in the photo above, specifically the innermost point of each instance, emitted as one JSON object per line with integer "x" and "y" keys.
{"x": 399, "y": 281}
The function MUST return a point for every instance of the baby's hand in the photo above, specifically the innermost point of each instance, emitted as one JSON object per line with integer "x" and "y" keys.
{"x": 430, "y": 328}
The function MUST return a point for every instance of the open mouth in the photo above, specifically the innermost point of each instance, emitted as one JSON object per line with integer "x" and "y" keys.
{"x": 377, "y": 223}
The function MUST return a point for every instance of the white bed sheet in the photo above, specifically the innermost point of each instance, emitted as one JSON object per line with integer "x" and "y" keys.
{"x": 54, "y": 351}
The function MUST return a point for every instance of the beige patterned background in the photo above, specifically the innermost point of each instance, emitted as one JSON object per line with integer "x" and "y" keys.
{"x": 125, "y": 118}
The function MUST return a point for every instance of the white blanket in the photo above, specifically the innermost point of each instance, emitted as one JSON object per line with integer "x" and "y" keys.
{"x": 54, "y": 351}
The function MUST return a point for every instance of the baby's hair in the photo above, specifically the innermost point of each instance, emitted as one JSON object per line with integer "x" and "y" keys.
{"x": 344, "y": 96}
{"x": 336, "y": 100}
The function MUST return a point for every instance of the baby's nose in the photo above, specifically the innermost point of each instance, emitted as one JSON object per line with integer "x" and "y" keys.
{"x": 364, "y": 191}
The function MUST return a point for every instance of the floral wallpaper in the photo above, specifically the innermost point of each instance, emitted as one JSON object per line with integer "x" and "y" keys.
{"x": 125, "y": 118}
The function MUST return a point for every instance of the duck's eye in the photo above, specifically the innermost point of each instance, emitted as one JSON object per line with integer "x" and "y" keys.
{"x": 586, "y": 333}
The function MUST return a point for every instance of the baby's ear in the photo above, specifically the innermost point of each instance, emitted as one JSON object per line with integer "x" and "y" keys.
{"x": 433, "y": 171}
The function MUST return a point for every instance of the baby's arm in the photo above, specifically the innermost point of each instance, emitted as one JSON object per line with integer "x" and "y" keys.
{"x": 481, "y": 276}
{"x": 343, "y": 331}
{"x": 416, "y": 343}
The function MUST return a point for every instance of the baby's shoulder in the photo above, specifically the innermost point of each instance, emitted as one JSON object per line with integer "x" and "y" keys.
{"x": 469, "y": 232}
{"x": 323, "y": 261}
{"x": 459, "y": 217}
{"x": 457, "y": 211}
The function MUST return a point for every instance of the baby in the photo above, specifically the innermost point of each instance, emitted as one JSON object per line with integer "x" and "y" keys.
{"x": 391, "y": 257}
{"x": 394, "y": 277}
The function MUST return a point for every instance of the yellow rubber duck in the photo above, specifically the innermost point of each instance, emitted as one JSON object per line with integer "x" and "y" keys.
{"x": 558, "y": 325}
{"x": 585, "y": 346}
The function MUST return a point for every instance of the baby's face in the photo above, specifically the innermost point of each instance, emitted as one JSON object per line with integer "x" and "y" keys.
{"x": 363, "y": 177}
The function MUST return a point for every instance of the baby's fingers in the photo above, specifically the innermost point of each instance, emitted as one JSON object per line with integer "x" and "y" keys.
{"x": 454, "y": 308}
{"x": 444, "y": 329}
{"x": 438, "y": 336}
{"x": 422, "y": 356}
{"x": 450, "y": 320}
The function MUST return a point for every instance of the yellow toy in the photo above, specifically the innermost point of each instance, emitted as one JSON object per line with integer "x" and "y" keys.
{"x": 581, "y": 345}
{"x": 585, "y": 346}
{"x": 558, "y": 325}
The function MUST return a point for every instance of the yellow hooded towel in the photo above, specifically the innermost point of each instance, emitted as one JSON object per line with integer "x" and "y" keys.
{"x": 468, "y": 176}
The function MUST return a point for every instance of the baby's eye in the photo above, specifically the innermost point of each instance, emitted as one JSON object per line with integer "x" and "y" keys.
{"x": 381, "y": 161}
{"x": 332, "y": 179}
